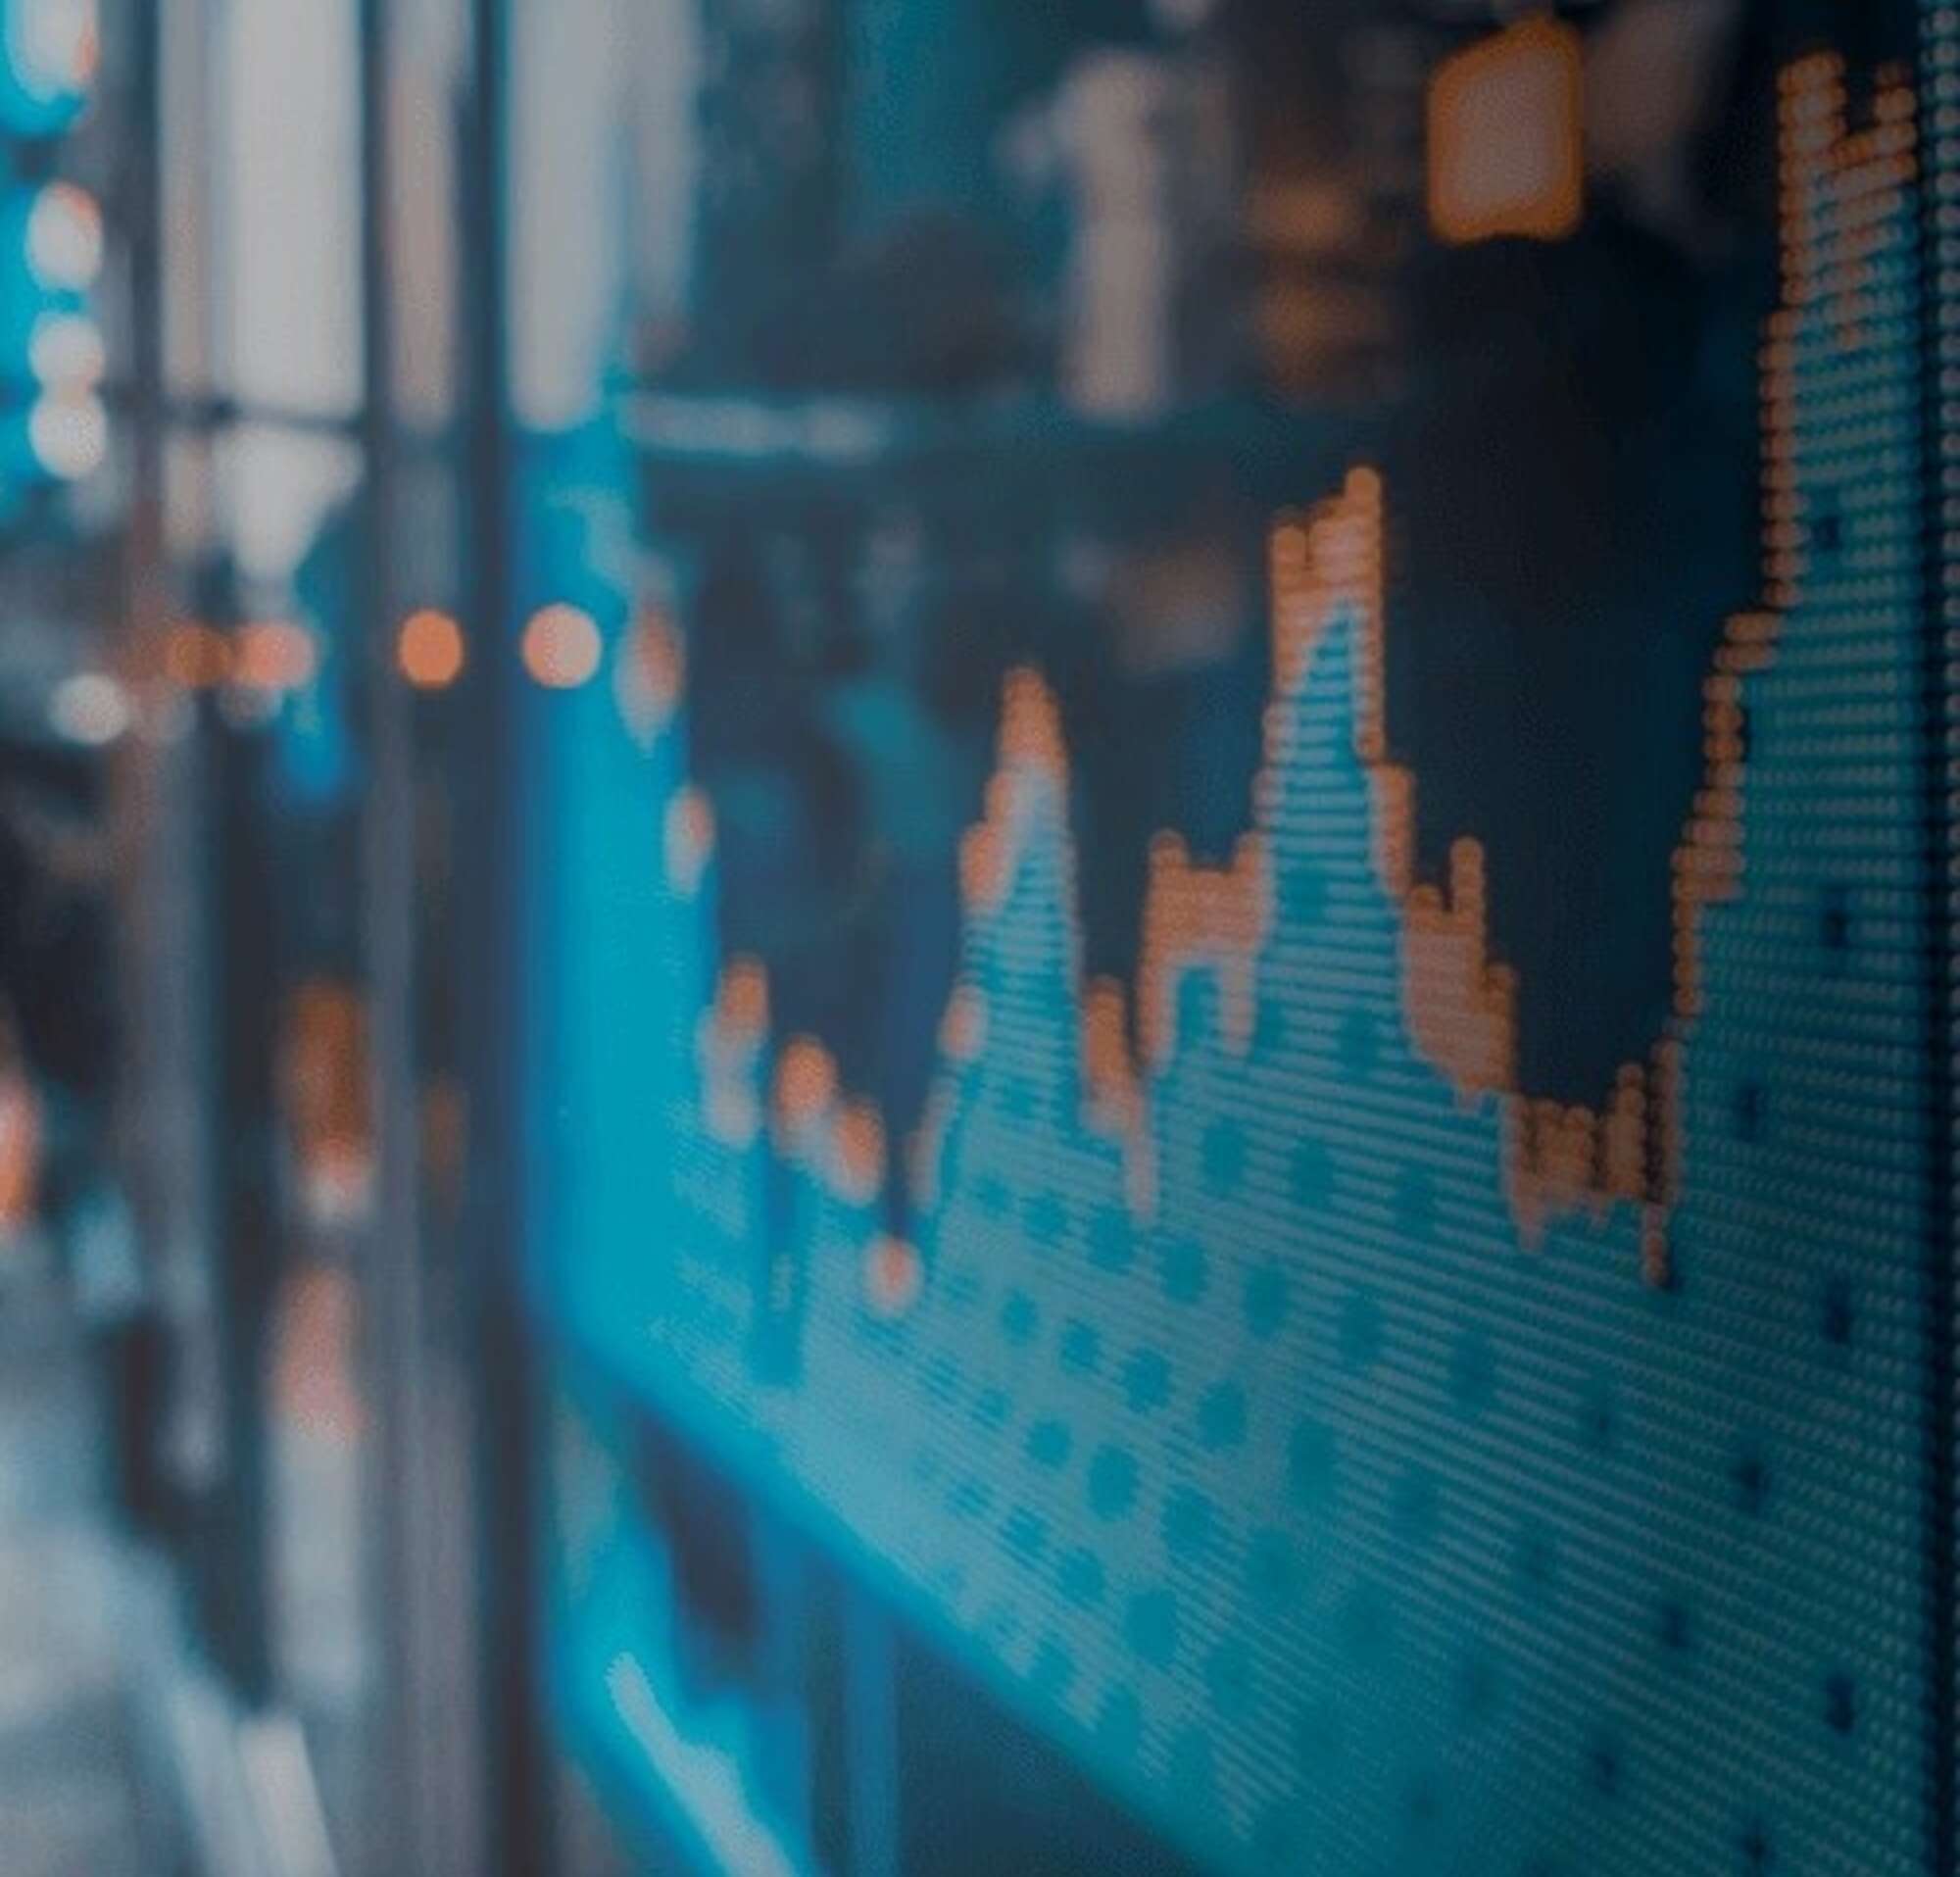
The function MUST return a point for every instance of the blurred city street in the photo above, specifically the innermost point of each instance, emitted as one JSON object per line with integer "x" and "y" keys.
{"x": 70, "y": 1782}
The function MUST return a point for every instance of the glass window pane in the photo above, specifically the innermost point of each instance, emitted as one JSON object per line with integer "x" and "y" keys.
{"x": 262, "y": 189}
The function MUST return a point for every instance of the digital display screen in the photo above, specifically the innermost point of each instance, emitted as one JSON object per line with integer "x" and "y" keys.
{"x": 1240, "y": 900}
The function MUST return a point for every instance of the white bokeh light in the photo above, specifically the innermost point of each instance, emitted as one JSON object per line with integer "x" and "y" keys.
{"x": 54, "y": 46}
{"x": 65, "y": 349}
{"x": 65, "y": 238}
{"x": 90, "y": 708}
{"x": 69, "y": 435}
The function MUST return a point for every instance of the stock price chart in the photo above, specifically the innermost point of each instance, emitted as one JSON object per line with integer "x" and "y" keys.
{"x": 1353, "y": 1451}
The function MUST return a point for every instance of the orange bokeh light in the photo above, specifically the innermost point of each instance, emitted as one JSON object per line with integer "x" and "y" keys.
{"x": 274, "y": 655}
{"x": 196, "y": 657}
{"x": 562, "y": 647}
{"x": 20, "y": 1152}
{"x": 429, "y": 650}
{"x": 805, "y": 1079}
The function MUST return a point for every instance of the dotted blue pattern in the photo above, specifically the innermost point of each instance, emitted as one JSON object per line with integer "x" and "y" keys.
{"x": 1335, "y": 1529}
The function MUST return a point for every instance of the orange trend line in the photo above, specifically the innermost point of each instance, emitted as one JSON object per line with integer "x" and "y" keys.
{"x": 1459, "y": 1004}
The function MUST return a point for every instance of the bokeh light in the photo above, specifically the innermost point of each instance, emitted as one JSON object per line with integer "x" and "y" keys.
{"x": 65, "y": 349}
{"x": 54, "y": 47}
{"x": 195, "y": 656}
{"x": 69, "y": 433}
{"x": 274, "y": 655}
{"x": 65, "y": 238}
{"x": 562, "y": 648}
{"x": 429, "y": 650}
{"x": 90, "y": 708}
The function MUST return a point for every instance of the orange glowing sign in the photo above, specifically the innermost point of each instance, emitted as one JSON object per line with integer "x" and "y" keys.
{"x": 1506, "y": 153}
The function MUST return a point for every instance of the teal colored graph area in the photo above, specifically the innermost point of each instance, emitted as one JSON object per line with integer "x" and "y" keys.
{"x": 1329, "y": 1524}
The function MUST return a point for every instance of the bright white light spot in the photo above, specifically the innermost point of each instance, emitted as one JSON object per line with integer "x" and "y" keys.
{"x": 54, "y": 46}
{"x": 66, "y": 350}
{"x": 89, "y": 709}
{"x": 706, "y": 1782}
{"x": 69, "y": 435}
{"x": 65, "y": 238}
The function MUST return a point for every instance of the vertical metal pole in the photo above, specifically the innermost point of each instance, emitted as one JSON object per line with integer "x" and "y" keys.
{"x": 427, "y": 1780}
{"x": 165, "y": 1082}
{"x": 391, "y": 1282}
{"x": 237, "y": 1604}
{"x": 136, "y": 775}
{"x": 509, "y": 1413}
{"x": 469, "y": 1787}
